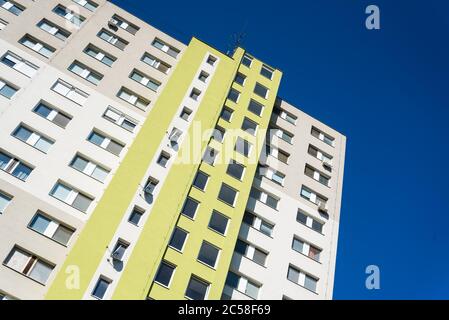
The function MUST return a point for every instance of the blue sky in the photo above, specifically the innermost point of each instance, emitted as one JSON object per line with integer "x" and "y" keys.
{"x": 386, "y": 90}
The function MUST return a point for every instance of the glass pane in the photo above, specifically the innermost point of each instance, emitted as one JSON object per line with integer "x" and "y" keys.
{"x": 61, "y": 192}
{"x": 310, "y": 283}
{"x": 41, "y": 271}
{"x": 79, "y": 163}
{"x": 95, "y": 138}
{"x": 227, "y": 194}
{"x": 190, "y": 207}
{"x": 114, "y": 148}
{"x": 40, "y": 223}
{"x": 266, "y": 228}
{"x": 298, "y": 245}
{"x": 259, "y": 257}
{"x": 293, "y": 275}
{"x": 164, "y": 274}
{"x": 17, "y": 259}
{"x": 252, "y": 290}
{"x": 4, "y": 201}
{"x": 218, "y": 222}
{"x": 301, "y": 217}
{"x": 197, "y": 289}
{"x": 135, "y": 217}
{"x": 22, "y": 171}
{"x": 208, "y": 254}
{"x": 100, "y": 174}
{"x": 317, "y": 226}
{"x": 82, "y": 202}
{"x": 4, "y": 160}
{"x": 43, "y": 144}
{"x": 232, "y": 280}
{"x": 43, "y": 110}
{"x": 62, "y": 235}
{"x": 200, "y": 180}
{"x": 178, "y": 238}
{"x": 241, "y": 247}
{"x": 61, "y": 120}
{"x": 23, "y": 133}
{"x": 100, "y": 288}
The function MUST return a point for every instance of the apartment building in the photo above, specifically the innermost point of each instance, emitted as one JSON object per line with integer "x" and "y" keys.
{"x": 133, "y": 166}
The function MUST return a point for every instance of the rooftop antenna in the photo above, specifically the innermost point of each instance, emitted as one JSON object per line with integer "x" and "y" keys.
{"x": 237, "y": 40}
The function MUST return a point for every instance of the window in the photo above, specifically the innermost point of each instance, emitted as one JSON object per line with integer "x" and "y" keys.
{"x": 203, "y": 76}
{"x": 7, "y": 90}
{"x": 190, "y": 207}
{"x": 233, "y": 95}
{"x": 89, "y": 5}
{"x": 19, "y": 64}
{"x": 156, "y": 63}
{"x": 285, "y": 115}
{"x": 174, "y": 136}
{"x": 85, "y": 72}
{"x": 260, "y": 90}
{"x": 255, "y": 107}
{"x": 278, "y": 177}
{"x": 70, "y": 92}
{"x": 120, "y": 119}
{"x": 323, "y": 137}
{"x": 37, "y": 46}
{"x": 185, "y": 114}
{"x": 312, "y": 196}
{"x": 251, "y": 252}
{"x": 33, "y": 138}
{"x": 12, "y": 7}
{"x": 106, "y": 143}
{"x": 118, "y": 253}
{"x": 227, "y": 194}
{"x": 240, "y": 79}
{"x": 51, "y": 114}
{"x": 226, "y": 113}
{"x": 151, "y": 185}
{"x": 316, "y": 175}
{"x": 267, "y": 72}
{"x": 14, "y": 167}
{"x": 219, "y": 134}
{"x": 309, "y": 222}
{"x": 178, "y": 239}
{"x": 119, "y": 22}
{"x": 145, "y": 80}
{"x": 89, "y": 168}
{"x": 258, "y": 223}
{"x": 112, "y": 39}
{"x": 136, "y": 216}
{"x": 70, "y": 196}
{"x": 208, "y": 254}
{"x": 171, "y": 51}
{"x": 218, "y": 222}
{"x": 249, "y": 126}
{"x": 305, "y": 280}
{"x": 306, "y": 249}
{"x": 200, "y": 181}
{"x": 272, "y": 174}
{"x": 69, "y": 15}
{"x": 211, "y": 60}
{"x": 197, "y": 289}
{"x": 100, "y": 288}
{"x": 4, "y": 201}
{"x": 251, "y": 289}
{"x": 29, "y": 265}
{"x": 235, "y": 170}
{"x": 133, "y": 98}
{"x": 247, "y": 60}
{"x": 210, "y": 155}
{"x": 264, "y": 197}
{"x": 325, "y": 158}
{"x": 278, "y": 154}
{"x": 3, "y": 24}
{"x": 53, "y": 29}
{"x": 50, "y": 228}
{"x": 282, "y": 134}
{"x": 242, "y": 146}
{"x": 195, "y": 94}
{"x": 259, "y": 257}
{"x": 99, "y": 55}
{"x": 165, "y": 274}
{"x": 163, "y": 159}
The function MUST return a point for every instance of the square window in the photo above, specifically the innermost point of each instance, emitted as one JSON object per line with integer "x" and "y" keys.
{"x": 211, "y": 60}
{"x": 119, "y": 250}
{"x": 100, "y": 288}
{"x": 260, "y": 90}
{"x": 165, "y": 274}
{"x": 195, "y": 94}
{"x": 201, "y": 180}
{"x": 267, "y": 72}
{"x": 208, "y": 254}
{"x": 233, "y": 95}
{"x": 310, "y": 283}
{"x": 247, "y": 60}
{"x": 243, "y": 147}
{"x": 227, "y": 194}
{"x": 163, "y": 159}
{"x": 136, "y": 215}
{"x": 203, "y": 76}
{"x": 210, "y": 155}
{"x": 249, "y": 126}
{"x": 226, "y": 114}
{"x": 185, "y": 114}
{"x": 197, "y": 289}
{"x": 260, "y": 257}
{"x": 178, "y": 239}
{"x": 219, "y": 133}
{"x": 235, "y": 170}
{"x": 218, "y": 222}
{"x": 190, "y": 207}
{"x": 240, "y": 79}
{"x": 293, "y": 274}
